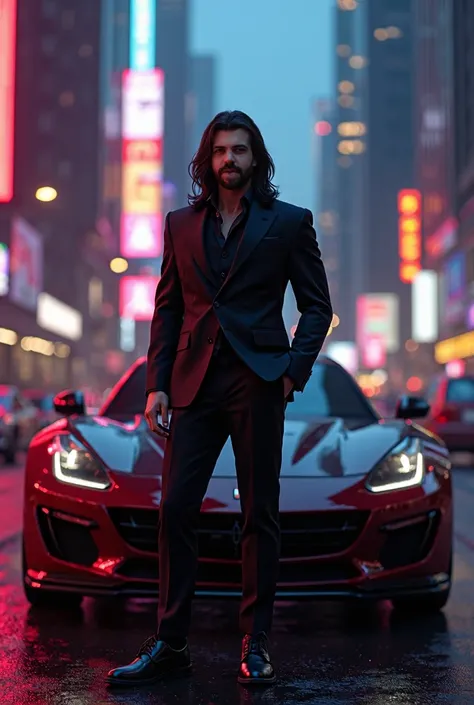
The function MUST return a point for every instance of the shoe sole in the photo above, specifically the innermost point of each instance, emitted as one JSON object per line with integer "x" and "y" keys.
{"x": 178, "y": 672}
{"x": 256, "y": 681}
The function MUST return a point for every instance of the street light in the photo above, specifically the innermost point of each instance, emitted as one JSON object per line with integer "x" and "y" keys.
{"x": 119, "y": 265}
{"x": 46, "y": 194}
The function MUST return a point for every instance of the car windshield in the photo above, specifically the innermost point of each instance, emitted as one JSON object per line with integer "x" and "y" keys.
{"x": 329, "y": 392}
{"x": 43, "y": 403}
{"x": 6, "y": 401}
{"x": 461, "y": 390}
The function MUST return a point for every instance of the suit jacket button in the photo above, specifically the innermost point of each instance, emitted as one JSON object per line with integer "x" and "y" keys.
{"x": 216, "y": 304}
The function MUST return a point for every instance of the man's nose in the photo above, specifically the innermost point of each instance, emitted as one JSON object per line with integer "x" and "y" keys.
{"x": 229, "y": 157}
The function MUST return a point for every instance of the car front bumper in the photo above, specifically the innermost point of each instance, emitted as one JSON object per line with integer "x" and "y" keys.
{"x": 104, "y": 543}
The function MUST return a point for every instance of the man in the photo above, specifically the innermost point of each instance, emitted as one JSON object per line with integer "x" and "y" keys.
{"x": 219, "y": 357}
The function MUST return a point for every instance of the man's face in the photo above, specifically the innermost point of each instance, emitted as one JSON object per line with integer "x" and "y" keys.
{"x": 232, "y": 158}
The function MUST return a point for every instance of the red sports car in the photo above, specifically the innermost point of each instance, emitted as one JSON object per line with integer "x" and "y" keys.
{"x": 366, "y": 506}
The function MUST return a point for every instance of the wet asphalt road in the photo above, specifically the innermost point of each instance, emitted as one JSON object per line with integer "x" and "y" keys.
{"x": 324, "y": 652}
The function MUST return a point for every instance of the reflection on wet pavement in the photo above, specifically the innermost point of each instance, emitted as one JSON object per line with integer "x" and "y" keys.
{"x": 325, "y": 652}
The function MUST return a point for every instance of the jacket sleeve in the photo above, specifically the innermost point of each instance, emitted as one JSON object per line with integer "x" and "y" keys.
{"x": 308, "y": 279}
{"x": 167, "y": 320}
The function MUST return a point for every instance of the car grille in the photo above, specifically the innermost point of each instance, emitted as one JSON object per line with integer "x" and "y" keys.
{"x": 411, "y": 542}
{"x": 65, "y": 539}
{"x": 303, "y": 534}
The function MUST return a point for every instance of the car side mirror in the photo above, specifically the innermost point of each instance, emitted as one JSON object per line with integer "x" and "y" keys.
{"x": 409, "y": 407}
{"x": 69, "y": 403}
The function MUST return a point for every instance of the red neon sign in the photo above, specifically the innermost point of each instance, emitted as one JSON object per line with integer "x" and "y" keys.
{"x": 137, "y": 297}
{"x": 409, "y": 234}
{"x": 7, "y": 96}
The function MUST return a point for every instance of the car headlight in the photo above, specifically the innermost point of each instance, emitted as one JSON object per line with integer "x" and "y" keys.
{"x": 74, "y": 464}
{"x": 402, "y": 467}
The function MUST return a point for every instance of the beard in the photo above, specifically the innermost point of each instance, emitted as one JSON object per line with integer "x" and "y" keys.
{"x": 239, "y": 177}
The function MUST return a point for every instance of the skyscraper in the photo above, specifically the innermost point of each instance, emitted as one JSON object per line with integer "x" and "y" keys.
{"x": 55, "y": 186}
{"x": 172, "y": 58}
{"x": 375, "y": 88}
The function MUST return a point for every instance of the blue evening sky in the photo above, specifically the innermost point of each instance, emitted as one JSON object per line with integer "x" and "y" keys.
{"x": 274, "y": 57}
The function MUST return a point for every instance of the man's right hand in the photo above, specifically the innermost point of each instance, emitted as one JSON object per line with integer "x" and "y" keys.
{"x": 157, "y": 405}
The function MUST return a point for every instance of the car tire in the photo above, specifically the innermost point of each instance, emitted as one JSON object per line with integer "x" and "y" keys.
{"x": 425, "y": 604}
{"x": 48, "y": 598}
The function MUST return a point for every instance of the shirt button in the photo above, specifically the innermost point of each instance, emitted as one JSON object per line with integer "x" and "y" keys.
{"x": 223, "y": 275}
{"x": 216, "y": 304}
{"x": 210, "y": 340}
{"x": 225, "y": 254}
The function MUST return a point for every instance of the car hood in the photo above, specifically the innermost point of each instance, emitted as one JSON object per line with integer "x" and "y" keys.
{"x": 311, "y": 447}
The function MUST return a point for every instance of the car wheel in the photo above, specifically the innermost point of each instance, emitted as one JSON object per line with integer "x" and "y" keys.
{"x": 425, "y": 604}
{"x": 48, "y": 598}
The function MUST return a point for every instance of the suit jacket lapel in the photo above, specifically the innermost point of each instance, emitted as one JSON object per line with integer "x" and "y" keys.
{"x": 259, "y": 221}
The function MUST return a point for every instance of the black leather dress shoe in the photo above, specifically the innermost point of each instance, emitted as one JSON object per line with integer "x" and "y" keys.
{"x": 155, "y": 661}
{"x": 256, "y": 667}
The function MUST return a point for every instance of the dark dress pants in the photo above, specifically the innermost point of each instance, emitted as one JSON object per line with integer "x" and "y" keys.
{"x": 232, "y": 401}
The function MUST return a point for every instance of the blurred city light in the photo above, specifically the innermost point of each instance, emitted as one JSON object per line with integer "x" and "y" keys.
{"x": 345, "y": 101}
{"x": 381, "y": 34}
{"x": 394, "y": 32}
{"x": 8, "y": 337}
{"x": 62, "y": 350}
{"x": 347, "y": 4}
{"x": 411, "y": 346}
{"x": 414, "y": 384}
{"x": 335, "y": 320}
{"x": 455, "y": 368}
{"x": 323, "y": 128}
{"x": 357, "y": 62}
{"x": 379, "y": 377}
{"x": 346, "y": 87}
{"x": 343, "y": 50}
{"x": 46, "y": 194}
{"x": 37, "y": 345}
{"x": 424, "y": 307}
{"x": 351, "y": 147}
{"x": 409, "y": 234}
{"x": 457, "y": 348}
{"x": 119, "y": 265}
{"x": 351, "y": 129}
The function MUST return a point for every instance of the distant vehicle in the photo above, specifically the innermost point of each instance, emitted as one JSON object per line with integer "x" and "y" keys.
{"x": 366, "y": 506}
{"x": 451, "y": 414}
{"x": 18, "y": 422}
{"x": 44, "y": 405}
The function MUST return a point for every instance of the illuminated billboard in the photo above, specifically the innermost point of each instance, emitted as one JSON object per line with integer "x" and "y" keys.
{"x": 142, "y": 164}
{"x": 409, "y": 234}
{"x": 377, "y": 317}
{"x": 142, "y": 34}
{"x": 8, "y": 10}
{"x": 137, "y": 297}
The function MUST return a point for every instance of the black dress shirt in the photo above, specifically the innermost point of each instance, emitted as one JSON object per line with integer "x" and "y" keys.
{"x": 221, "y": 251}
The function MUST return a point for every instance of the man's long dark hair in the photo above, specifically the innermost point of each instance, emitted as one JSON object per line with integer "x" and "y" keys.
{"x": 200, "y": 169}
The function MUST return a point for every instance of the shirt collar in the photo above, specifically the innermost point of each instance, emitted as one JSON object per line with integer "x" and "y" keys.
{"x": 246, "y": 199}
